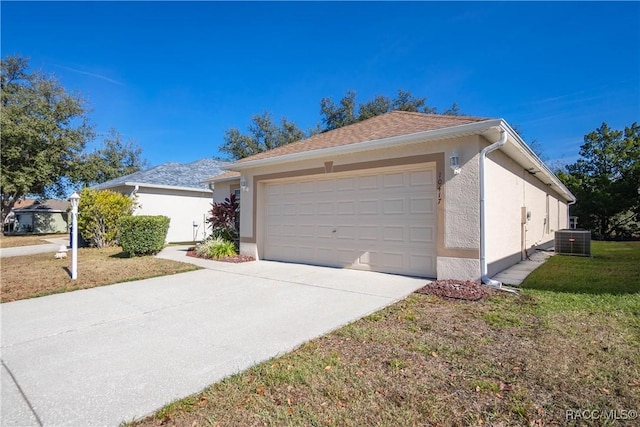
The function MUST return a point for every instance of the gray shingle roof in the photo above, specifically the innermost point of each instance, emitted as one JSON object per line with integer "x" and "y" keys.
{"x": 188, "y": 175}
{"x": 50, "y": 205}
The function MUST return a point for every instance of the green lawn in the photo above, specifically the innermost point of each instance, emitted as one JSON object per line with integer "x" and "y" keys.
{"x": 569, "y": 342}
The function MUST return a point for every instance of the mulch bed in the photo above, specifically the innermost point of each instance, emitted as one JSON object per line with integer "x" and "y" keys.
{"x": 456, "y": 289}
{"x": 232, "y": 259}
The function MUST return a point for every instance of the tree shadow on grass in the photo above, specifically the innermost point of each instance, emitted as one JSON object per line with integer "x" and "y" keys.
{"x": 120, "y": 255}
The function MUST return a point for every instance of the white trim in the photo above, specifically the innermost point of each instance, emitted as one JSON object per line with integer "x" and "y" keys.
{"x": 157, "y": 186}
{"x": 214, "y": 180}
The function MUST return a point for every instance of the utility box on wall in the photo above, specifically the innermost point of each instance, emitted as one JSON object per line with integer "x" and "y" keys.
{"x": 573, "y": 242}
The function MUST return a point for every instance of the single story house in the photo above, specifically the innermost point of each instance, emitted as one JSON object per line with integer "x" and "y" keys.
{"x": 175, "y": 190}
{"x": 446, "y": 197}
{"x": 38, "y": 217}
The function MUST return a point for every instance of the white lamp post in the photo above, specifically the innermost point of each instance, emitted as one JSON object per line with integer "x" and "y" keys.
{"x": 74, "y": 199}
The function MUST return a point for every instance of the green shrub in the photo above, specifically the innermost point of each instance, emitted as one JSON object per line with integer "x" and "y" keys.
{"x": 98, "y": 215}
{"x": 143, "y": 235}
{"x": 216, "y": 248}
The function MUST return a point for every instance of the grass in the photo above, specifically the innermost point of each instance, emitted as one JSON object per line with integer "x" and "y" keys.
{"x": 28, "y": 239}
{"x": 39, "y": 275}
{"x": 570, "y": 341}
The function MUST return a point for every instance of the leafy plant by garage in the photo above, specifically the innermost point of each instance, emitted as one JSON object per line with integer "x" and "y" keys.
{"x": 143, "y": 235}
{"x": 216, "y": 248}
{"x": 224, "y": 219}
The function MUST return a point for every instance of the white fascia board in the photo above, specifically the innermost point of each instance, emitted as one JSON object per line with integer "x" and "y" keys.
{"x": 213, "y": 179}
{"x": 158, "y": 186}
{"x": 449, "y": 132}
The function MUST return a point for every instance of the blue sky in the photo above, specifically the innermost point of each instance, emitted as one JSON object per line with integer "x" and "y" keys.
{"x": 173, "y": 76}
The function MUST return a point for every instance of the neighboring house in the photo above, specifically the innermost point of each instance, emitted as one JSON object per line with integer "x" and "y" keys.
{"x": 38, "y": 217}
{"x": 174, "y": 190}
{"x": 407, "y": 193}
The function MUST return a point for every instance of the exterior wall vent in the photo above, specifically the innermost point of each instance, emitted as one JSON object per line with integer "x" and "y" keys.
{"x": 573, "y": 242}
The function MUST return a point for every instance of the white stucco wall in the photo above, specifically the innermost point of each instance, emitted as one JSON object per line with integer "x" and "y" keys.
{"x": 510, "y": 188}
{"x": 184, "y": 208}
{"x": 222, "y": 190}
{"x": 462, "y": 196}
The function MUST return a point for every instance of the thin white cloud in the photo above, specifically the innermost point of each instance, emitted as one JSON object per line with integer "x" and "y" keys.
{"x": 87, "y": 73}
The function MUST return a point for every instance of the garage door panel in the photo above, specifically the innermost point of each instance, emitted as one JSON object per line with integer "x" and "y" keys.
{"x": 421, "y": 234}
{"x": 326, "y": 186}
{"x": 423, "y": 178}
{"x": 324, "y": 208}
{"x": 325, "y": 231}
{"x": 393, "y": 180}
{"x": 368, "y": 207}
{"x": 369, "y": 182}
{"x": 421, "y": 205}
{"x": 368, "y": 232}
{"x": 307, "y": 231}
{"x": 392, "y": 260}
{"x": 393, "y": 233}
{"x": 307, "y": 208}
{"x": 346, "y": 208}
{"x": 380, "y": 221}
{"x": 393, "y": 206}
{"x": 346, "y": 232}
{"x": 346, "y": 184}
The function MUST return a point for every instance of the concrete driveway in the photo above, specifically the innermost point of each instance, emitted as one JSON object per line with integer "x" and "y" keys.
{"x": 53, "y": 246}
{"x": 116, "y": 353}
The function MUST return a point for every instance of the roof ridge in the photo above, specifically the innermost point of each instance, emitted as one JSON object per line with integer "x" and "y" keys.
{"x": 419, "y": 113}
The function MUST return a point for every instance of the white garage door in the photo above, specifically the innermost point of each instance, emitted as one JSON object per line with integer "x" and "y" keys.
{"x": 380, "y": 220}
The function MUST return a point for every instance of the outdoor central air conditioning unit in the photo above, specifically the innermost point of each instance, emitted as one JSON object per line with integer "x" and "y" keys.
{"x": 573, "y": 242}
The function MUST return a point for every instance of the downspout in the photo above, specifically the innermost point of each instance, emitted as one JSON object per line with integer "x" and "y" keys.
{"x": 483, "y": 214}
{"x": 135, "y": 191}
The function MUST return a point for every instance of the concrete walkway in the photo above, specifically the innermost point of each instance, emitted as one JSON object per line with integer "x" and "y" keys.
{"x": 515, "y": 275}
{"x": 116, "y": 353}
{"x": 53, "y": 246}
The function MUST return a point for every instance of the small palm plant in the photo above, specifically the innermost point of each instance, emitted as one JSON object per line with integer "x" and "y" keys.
{"x": 216, "y": 248}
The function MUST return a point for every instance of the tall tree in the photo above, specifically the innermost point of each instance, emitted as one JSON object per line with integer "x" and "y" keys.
{"x": 606, "y": 181}
{"x": 337, "y": 116}
{"x": 114, "y": 159}
{"x": 344, "y": 113}
{"x": 263, "y": 135}
{"x": 44, "y": 131}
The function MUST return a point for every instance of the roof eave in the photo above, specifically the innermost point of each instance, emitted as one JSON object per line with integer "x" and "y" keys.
{"x": 134, "y": 184}
{"x": 448, "y": 132}
{"x": 213, "y": 179}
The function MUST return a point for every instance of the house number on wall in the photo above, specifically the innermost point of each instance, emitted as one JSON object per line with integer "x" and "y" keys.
{"x": 439, "y": 187}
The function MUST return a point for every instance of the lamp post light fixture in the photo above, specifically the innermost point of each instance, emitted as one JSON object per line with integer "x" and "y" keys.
{"x": 74, "y": 199}
{"x": 454, "y": 163}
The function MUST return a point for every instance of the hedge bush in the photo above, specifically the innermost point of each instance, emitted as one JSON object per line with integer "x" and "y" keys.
{"x": 98, "y": 215}
{"x": 143, "y": 235}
